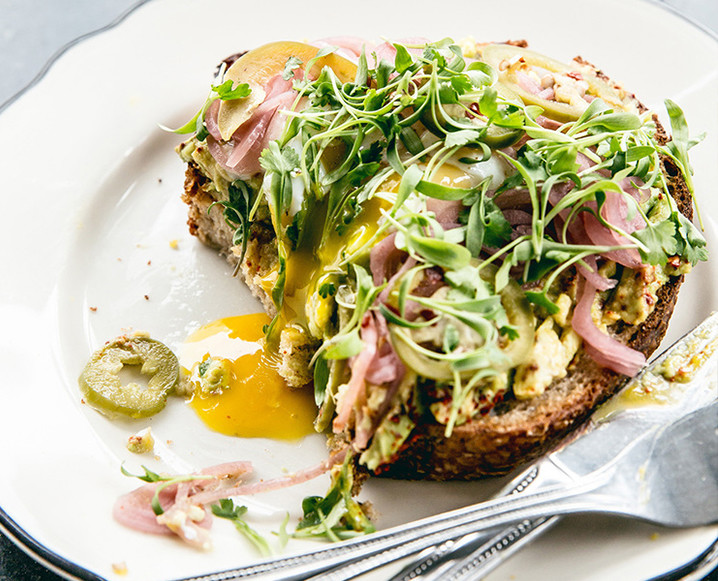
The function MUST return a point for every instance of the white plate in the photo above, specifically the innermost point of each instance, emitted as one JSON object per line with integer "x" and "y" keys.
{"x": 91, "y": 202}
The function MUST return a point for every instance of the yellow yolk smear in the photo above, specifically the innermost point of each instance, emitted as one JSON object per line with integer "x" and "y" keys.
{"x": 452, "y": 176}
{"x": 307, "y": 265}
{"x": 238, "y": 391}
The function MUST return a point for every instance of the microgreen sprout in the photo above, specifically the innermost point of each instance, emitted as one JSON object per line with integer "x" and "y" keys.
{"x": 164, "y": 482}
{"x": 226, "y": 509}
{"x": 338, "y": 515}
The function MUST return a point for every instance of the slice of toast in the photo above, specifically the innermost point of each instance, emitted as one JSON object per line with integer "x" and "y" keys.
{"x": 514, "y": 431}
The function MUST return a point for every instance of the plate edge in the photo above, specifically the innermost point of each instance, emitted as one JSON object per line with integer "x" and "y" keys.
{"x": 42, "y": 554}
{"x": 661, "y": 4}
{"x": 67, "y": 46}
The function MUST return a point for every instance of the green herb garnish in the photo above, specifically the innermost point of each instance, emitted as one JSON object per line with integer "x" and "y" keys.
{"x": 228, "y": 510}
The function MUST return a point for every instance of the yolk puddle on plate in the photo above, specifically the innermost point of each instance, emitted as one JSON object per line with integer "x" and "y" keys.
{"x": 238, "y": 390}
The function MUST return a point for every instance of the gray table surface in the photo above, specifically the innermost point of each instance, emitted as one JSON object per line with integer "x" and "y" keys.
{"x": 33, "y": 32}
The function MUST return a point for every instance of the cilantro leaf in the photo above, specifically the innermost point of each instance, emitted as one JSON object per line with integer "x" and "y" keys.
{"x": 691, "y": 241}
{"x": 462, "y": 137}
{"x": 279, "y": 160}
{"x": 236, "y": 213}
{"x": 293, "y": 63}
{"x": 659, "y": 241}
{"x": 487, "y": 103}
{"x": 226, "y": 91}
{"x": 328, "y": 289}
{"x": 226, "y": 509}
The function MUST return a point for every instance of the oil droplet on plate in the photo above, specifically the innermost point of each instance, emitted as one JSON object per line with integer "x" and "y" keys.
{"x": 238, "y": 391}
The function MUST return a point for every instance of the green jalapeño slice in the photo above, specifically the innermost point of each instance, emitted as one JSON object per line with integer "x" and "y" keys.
{"x": 154, "y": 364}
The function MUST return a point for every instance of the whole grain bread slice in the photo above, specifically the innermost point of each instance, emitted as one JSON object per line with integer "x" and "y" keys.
{"x": 514, "y": 431}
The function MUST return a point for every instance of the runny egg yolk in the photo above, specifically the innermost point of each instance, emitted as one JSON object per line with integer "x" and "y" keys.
{"x": 237, "y": 390}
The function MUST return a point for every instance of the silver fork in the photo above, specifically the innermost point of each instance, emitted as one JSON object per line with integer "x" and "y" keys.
{"x": 641, "y": 482}
{"x": 587, "y": 475}
{"x": 656, "y": 478}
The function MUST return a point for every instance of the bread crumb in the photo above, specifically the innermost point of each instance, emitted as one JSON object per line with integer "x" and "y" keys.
{"x": 174, "y": 244}
{"x": 142, "y": 442}
{"x": 93, "y": 309}
{"x": 139, "y": 334}
{"x": 655, "y": 536}
{"x": 119, "y": 568}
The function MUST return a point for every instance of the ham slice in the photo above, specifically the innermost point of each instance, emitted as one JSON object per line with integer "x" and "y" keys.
{"x": 240, "y": 155}
{"x": 134, "y": 509}
{"x": 382, "y": 257}
{"x": 446, "y": 211}
{"x": 386, "y": 51}
{"x": 185, "y": 503}
{"x": 360, "y": 367}
{"x": 349, "y": 47}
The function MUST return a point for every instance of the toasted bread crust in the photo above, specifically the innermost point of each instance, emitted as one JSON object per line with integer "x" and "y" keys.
{"x": 514, "y": 431}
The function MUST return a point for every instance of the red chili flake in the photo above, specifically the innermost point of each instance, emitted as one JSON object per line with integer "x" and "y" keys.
{"x": 147, "y": 298}
{"x": 93, "y": 309}
{"x": 382, "y": 468}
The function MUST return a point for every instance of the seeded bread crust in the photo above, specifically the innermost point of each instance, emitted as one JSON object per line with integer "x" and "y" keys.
{"x": 514, "y": 432}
